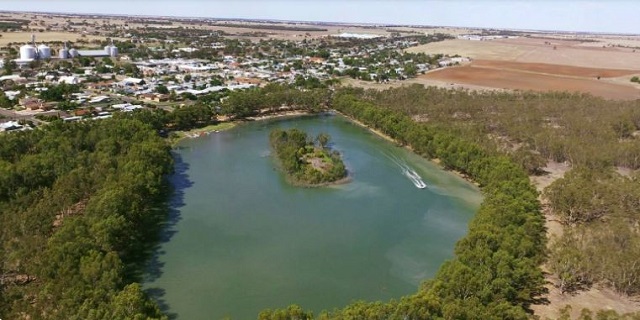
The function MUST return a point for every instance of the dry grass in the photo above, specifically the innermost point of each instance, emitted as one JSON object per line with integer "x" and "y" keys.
{"x": 595, "y": 298}
{"x": 570, "y": 53}
{"x": 23, "y": 37}
{"x": 534, "y": 64}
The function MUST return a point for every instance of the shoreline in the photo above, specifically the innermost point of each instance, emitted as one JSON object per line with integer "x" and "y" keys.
{"x": 435, "y": 161}
{"x": 229, "y": 124}
{"x": 276, "y": 115}
{"x": 342, "y": 181}
{"x": 224, "y": 125}
{"x": 375, "y": 131}
{"x": 199, "y": 132}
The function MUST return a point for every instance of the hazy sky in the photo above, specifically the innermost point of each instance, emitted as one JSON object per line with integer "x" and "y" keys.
{"x": 577, "y": 15}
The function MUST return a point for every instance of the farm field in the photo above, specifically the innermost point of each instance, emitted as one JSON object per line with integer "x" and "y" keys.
{"x": 538, "y": 50}
{"x": 540, "y": 64}
{"x": 555, "y": 69}
{"x": 539, "y": 77}
{"x": 23, "y": 37}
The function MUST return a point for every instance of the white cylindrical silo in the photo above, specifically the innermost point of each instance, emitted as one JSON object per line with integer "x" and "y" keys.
{"x": 44, "y": 52}
{"x": 73, "y": 53}
{"x": 64, "y": 53}
{"x": 114, "y": 51}
{"x": 27, "y": 52}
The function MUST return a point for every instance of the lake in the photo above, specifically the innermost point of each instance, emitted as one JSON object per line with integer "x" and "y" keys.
{"x": 241, "y": 239}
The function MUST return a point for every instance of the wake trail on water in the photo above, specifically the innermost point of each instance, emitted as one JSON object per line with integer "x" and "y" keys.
{"x": 407, "y": 171}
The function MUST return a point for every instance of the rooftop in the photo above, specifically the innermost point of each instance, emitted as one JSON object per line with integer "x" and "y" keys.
{"x": 93, "y": 53}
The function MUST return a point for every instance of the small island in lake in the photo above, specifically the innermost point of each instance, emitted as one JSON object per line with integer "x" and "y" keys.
{"x": 307, "y": 162}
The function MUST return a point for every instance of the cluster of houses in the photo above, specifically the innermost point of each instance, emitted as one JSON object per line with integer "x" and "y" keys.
{"x": 477, "y": 37}
{"x": 160, "y": 81}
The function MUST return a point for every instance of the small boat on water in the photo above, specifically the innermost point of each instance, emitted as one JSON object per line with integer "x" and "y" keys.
{"x": 415, "y": 178}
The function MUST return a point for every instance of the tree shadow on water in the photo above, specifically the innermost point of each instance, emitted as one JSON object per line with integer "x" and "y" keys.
{"x": 179, "y": 182}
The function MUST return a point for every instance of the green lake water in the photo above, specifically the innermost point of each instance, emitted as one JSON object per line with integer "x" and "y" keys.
{"x": 241, "y": 239}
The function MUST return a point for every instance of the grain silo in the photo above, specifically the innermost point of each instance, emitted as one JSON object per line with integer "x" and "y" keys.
{"x": 114, "y": 51}
{"x": 44, "y": 52}
{"x": 73, "y": 53}
{"x": 27, "y": 52}
{"x": 64, "y": 53}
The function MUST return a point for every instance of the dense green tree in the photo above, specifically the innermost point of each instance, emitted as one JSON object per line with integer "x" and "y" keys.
{"x": 162, "y": 89}
{"x": 5, "y": 102}
{"x": 79, "y": 206}
{"x": 8, "y": 66}
{"x": 304, "y": 163}
{"x": 61, "y": 92}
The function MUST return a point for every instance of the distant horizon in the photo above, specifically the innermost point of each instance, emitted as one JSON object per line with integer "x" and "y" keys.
{"x": 317, "y": 22}
{"x": 577, "y": 16}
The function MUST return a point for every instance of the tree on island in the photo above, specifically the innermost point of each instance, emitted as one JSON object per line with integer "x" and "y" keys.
{"x": 304, "y": 162}
{"x": 323, "y": 140}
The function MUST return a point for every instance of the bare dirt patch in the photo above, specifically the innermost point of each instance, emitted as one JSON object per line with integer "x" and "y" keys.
{"x": 554, "y": 171}
{"x": 521, "y": 80}
{"x": 420, "y": 80}
{"x": 554, "y": 69}
{"x": 595, "y": 298}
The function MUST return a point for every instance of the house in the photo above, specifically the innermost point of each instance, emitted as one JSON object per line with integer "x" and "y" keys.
{"x": 100, "y": 85}
{"x": 10, "y": 126}
{"x": 69, "y": 80}
{"x": 316, "y": 60}
{"x": 13, "y": 77}
{"x": 71, "y": 119}
{"x": 32, "y": 103}
{"x": 11, "y": 95}
{"x": 153, "y": 97}
{"x": 131, "y": 107}
{"x": 81, "y": 112}
{"x": 121, "y": 106}
{"x": 132, "y": 81}
{"x": 146, "y": 96}
{"x": 244, "y": 80}
{"x": 99, "y": 99}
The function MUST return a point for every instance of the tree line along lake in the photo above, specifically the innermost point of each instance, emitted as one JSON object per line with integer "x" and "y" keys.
{"x": 241, "y": 239}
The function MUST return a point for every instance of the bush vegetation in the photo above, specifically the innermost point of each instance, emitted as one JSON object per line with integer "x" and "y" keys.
{"x": 304, "y": 162}
{"x": 597, "y": 205}
{"x": 498, "y": 139}
{"x": 74, "y": 197}
{"x": 79, "y": 205}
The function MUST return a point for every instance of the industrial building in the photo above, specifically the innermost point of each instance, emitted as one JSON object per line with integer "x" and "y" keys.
{"x": 109, "y": 51}
{"x": 30, "y": 52}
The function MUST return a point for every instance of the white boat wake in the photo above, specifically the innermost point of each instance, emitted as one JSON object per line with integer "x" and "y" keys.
{"x": 408, "y": 171}
{"x": 415, "y": 178}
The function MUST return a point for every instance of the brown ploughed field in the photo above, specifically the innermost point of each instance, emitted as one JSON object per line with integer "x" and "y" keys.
{"x": 554, "y": 69}
{"x": 540, "y": 77}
